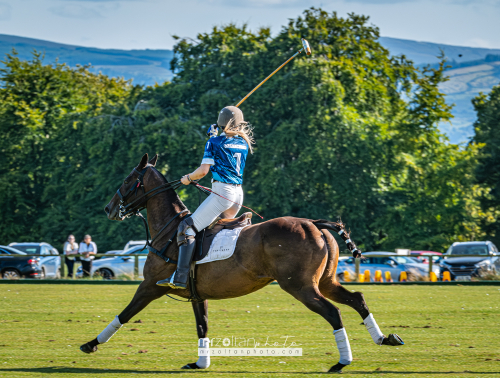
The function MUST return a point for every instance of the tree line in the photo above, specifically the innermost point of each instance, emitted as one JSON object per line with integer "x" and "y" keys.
{"x": 349, "y": 132}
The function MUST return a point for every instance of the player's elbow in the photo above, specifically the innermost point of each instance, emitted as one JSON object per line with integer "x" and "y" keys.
{"x": 205, "y": 168}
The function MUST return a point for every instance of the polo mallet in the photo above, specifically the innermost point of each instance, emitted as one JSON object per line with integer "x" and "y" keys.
{"x": 305, "y": 47}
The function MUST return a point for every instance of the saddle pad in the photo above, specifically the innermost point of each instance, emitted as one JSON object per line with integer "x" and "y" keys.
{"x": 222, "y": 246}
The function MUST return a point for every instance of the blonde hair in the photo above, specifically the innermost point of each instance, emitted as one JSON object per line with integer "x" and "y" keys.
{"x": 244, "y": 130}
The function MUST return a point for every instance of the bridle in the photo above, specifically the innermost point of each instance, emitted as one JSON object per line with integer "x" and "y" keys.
{"x": 139, "y": 202}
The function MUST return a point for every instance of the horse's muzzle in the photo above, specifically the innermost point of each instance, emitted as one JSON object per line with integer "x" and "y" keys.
{"x": 111, "y": 213}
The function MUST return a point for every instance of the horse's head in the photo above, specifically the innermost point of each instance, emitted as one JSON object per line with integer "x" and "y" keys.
{"x": 127, "y": 198}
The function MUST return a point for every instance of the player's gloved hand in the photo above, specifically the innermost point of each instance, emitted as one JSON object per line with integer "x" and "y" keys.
{"x": 213, "y": 130}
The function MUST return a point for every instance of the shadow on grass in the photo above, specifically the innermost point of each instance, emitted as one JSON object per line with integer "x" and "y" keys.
{"x": 74, "y": 370}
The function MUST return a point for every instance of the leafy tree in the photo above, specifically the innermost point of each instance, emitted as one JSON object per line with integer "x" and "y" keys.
{"x": 35, "y": 103}
{"x": 487, "y": 135}
{"x": 349, "y": 131}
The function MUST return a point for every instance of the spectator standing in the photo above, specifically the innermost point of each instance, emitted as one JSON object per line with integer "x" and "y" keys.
{"x": 70, "y": 248}
{"x": 87, "y": 249}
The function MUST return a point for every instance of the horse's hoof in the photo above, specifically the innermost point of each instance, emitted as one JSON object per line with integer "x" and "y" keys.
{"x": 393, "y": 340}
{"x": 87, "y": 348}
{"x": 337, "y": 368}
{"x": 191, "y": 366}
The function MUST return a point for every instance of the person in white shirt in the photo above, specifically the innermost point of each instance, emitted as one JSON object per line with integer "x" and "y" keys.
{"x": 87, "y": 249}
{"x": 70, "y": 248}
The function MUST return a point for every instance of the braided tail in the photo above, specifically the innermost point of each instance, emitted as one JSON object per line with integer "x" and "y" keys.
{"x": 339, "y": 228}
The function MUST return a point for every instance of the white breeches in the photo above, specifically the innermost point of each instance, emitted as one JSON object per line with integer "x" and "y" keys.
{"x": 215, "y": 206}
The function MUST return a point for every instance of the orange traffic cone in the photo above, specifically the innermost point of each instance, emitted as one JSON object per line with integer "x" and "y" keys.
{"x": 388, "y": 277}
{"x": 403, "y": 277}
{"x": 367, "y": 276}
{"x": 433, "y": 277}
{"x": 346, "y": 276}
{"x": 378, "y": 276}
{"x": 361, "y": 278}
{"x": 446, "y": 276}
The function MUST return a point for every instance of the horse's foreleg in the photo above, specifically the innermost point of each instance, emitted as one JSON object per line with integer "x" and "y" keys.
{"x": 337, "y": 293}
{"x": 145, "y": 294}
{"x": 201, "y": 315}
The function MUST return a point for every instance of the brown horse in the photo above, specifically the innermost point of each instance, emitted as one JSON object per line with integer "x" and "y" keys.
{"x": 293, "y": 251}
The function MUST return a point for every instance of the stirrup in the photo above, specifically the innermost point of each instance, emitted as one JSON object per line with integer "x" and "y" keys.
{"x": 170, "y": 283}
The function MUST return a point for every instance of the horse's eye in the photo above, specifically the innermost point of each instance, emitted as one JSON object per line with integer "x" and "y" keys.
{"x": 126, "y": 182}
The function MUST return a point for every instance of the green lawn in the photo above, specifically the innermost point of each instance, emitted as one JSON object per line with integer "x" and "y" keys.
{"x": 449, "y": 331}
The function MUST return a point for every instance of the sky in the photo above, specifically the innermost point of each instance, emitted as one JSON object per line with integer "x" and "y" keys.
{"x": 139, "y": 24}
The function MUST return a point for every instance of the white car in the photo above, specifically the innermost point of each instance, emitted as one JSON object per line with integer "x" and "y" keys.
{"x": 50, "y": 261}
{"x": 134, "y": 243}
{"x": 112, "y": 267}
{"x": 115, "y": 252}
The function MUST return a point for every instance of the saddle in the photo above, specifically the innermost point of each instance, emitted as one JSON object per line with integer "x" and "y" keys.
{"x": 205, "y": 237}
{"x": 204, "y": 240}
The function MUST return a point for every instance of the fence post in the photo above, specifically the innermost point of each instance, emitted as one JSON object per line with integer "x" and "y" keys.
{"x": 63, "y": 266}
{"x": 430, "y": 266}
{"x": 356, "y": 268}
{"x": 136, "y": 267}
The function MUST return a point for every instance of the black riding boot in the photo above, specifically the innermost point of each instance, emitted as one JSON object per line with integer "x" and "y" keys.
{"x": 179, "y": 279}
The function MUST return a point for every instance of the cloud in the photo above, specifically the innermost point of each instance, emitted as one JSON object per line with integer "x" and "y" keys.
{"x": 265, "y": 3}
{"x": 75, "y": 11}
{"x": 5, "y": 11}
{"x": 378, "y": 2}
{"x": 101, "y": 1}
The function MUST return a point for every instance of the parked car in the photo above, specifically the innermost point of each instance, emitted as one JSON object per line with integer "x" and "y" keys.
{"x": 485, "y": 260}
{"x": 50, "y": 261}
{"x": 15, "y": 264}
{"x": 386, "y": 262}
{"x": 110, "y": 267}
{"x": 424, "y": 259}
{"x": 134, "y": 243}
{"x": 115, "y": 252}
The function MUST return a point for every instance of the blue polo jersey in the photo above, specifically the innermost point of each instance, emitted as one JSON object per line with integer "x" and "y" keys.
{"x": 227, "y": 157}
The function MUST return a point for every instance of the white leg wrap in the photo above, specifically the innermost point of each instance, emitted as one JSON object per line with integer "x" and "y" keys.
{"x": 109, "y": 331}
{"x": 343, "y": 346}
{"x": 372, "y": 327}
{"x": 204, "y": 361}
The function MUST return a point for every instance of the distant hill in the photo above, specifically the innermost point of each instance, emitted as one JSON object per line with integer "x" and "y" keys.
{"x": 473, "y": 69}
{"x": 145, "y": 67}
{"x": 476, "y": 70}
{"x": 427, "y": 52}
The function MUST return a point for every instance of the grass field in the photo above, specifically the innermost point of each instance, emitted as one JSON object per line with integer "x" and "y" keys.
{"x": 449, "y": 331}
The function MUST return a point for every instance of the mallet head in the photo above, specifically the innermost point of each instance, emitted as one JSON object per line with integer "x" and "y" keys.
{"x": 306, "y": 46}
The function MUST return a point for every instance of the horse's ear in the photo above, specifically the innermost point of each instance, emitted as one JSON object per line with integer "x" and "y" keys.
{"x": 143, "y": 163}
{"x": 154, "y": 160}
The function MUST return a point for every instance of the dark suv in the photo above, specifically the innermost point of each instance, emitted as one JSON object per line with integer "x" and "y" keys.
{"x": 484, "y": 260}
{"x": 15, "y": 264}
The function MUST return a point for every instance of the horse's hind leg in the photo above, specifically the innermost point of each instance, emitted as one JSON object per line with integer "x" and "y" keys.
{"x": 201, "y": 315}
{"x": 314, "y": 301}
{"x": 147, "y": 292}
{"x": 337, "y": 293}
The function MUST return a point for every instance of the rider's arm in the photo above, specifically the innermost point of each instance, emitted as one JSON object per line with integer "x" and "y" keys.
{"x": 199, "y": 173}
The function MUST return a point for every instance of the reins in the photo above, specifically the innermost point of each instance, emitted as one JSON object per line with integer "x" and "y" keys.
{"x": 139, "y": 203}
